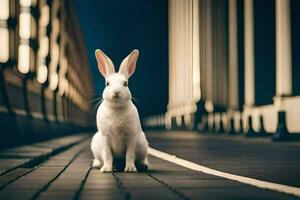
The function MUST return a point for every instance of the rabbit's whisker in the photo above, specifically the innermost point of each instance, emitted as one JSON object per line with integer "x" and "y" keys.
{"x": 93, "y": 100}
{"x": 97, "y": 104}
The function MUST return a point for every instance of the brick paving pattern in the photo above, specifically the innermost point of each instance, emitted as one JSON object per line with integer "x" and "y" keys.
{"x": 60, "y": 169}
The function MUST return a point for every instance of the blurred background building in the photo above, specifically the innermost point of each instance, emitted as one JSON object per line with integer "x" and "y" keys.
{"x": 45, "y": 80}
{"x": 233, "y": 66}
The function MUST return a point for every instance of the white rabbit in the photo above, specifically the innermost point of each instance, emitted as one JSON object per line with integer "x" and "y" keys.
{"x": 119, "y": 135}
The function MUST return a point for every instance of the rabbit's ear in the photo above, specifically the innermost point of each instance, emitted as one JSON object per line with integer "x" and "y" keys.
{"x": 129, "y": 63}
{"x": 105, "y": 65}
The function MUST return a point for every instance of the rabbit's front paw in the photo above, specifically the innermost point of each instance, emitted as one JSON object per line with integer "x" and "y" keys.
{"x": 96, "y": 163}
{"x": 106, "y": 168}
{"x": 130, "y": 168}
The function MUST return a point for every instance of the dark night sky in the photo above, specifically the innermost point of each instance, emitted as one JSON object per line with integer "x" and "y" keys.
{"x": 117, "y": 27}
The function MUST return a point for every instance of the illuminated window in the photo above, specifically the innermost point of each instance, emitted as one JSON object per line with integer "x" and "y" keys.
{"x": 42, "y": 70}
{"x": 44, "y": 16}
{"x": 55, "y": 25}
{"x": 64, "y": 85}
{"x": 42, "y": 74}
{"x": 4, "y": 33}
{"x": 4, "y": 9}
{"x": 25, "y": 3}
{"x": 44, "y": 46}
{"x": 53, "y": 81}
{"x": 4, "y": 45}
{"x": 54, "y": 48}
{"x": 24, "y": 58}
{"x": 55, "y": 54}
{"x": 33, "y": 27}
{"x": 25, "y": 25}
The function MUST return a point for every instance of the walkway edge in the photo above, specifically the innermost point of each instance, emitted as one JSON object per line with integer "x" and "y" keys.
{"x": 250, "y": 181}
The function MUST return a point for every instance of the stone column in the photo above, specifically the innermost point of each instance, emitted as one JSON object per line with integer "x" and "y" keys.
{"x": 249, "y": 63}
{"x": 283, "y": 65}
{"x": 233, "y": 55}
{"x": 209, "y": 64}
{"x": 184, "y": 91}
{"x": 196, "y": 50}
{"x": 233, "y": 64}
{"x": 283, "y": 49}
{"x": 209, "y": 106}
{"x": 249, "y": 53}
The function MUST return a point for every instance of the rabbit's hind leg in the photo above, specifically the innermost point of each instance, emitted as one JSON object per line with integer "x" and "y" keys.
{"x": 142, "y": 153}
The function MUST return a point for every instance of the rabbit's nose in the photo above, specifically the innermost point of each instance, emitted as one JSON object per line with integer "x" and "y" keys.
{"x": 117, "y": 93}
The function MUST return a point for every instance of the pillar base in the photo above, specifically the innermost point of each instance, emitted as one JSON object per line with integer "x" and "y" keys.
{"x": 221, "y": 126}
{"x": 262, "y": 131}
{"x": 183, "y": 123}
{"x": 213, "y": 128}
{"x": 173, "y": 123}
{"x": 204, "y": 123}
{"x": 250, "y": 132}
{"x": 175, "y": 126}
{"x": 241, "y": 131}
{"x": 282, "y": 133}
{"x": 231, "y": 127}
{"x": 199, "y": 116}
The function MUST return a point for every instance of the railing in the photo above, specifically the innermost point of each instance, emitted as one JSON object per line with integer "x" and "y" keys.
{"x": 44, "y": 76}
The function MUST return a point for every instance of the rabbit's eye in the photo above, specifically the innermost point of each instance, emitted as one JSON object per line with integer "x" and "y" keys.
{"x": 107, "y": 83}
{"x": 126, "y": 83}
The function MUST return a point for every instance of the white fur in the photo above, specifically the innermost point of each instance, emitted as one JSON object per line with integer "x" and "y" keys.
{"x": 119, "y": 130}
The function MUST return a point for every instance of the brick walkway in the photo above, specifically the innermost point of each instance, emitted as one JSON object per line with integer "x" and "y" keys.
{"x": 60, "y": 169}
